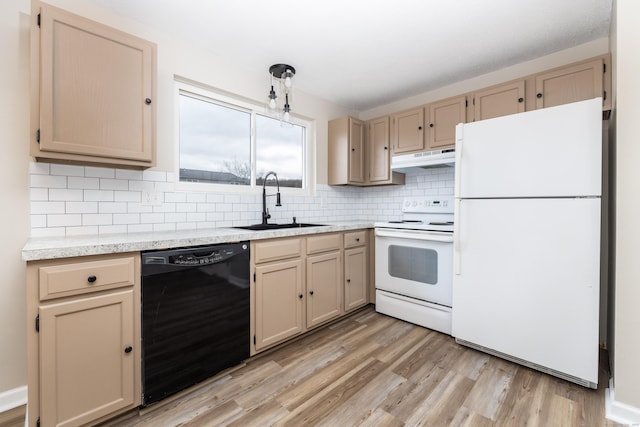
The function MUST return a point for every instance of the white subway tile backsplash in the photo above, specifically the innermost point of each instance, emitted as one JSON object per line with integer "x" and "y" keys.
{"x": 129, "y": 174}
{"x": 73, "y": 200}
{"x": 68, "y": 170}
{"x": 82, "y": 231}
{"x": 95, "y": 172}
{"x": 160, "y": 176}
{"x": 39, "y": 194}
{"x": 64, "y": 220}
{"x": 114, "y": 184}
{"x": 59, "y": 194}
{"x": 98, "y": 196}
{"x": 47, "y": 208}
{"x": 97, "y": 219}
{"x": 37, "y": 168}
{"x": 83, "y": 183}
{"x": 48, "y": 181}
{"x": 129, "y": 218}
{"x": 112, "y": 207}
{"x": 38, "y": 221}
{"x": 81, "y": 207}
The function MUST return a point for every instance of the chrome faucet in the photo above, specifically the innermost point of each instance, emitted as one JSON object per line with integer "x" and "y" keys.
{"x": 265, "y": 211}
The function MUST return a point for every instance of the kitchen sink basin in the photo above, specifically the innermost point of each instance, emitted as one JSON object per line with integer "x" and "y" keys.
{"x": 258, "y": 227}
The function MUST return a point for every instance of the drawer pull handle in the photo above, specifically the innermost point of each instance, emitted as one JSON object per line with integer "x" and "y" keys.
{"x": 128, "y": 349}
{"x": 91, "y": 279}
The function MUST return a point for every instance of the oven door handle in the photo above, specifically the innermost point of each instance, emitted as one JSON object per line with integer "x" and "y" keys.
{"x": 415, "y": 235}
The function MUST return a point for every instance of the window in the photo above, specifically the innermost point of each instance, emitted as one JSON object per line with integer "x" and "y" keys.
{"x": 230, "y": 143}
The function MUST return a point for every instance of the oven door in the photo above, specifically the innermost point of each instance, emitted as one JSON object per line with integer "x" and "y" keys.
{"x": 416, "y": 264}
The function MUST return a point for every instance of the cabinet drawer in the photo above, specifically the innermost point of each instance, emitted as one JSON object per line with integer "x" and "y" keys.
{"x": 271, "y": 250}
{"x": 323, "y": 243}
{"x": 355, "y": 238}
{"x": 73, "y": 278}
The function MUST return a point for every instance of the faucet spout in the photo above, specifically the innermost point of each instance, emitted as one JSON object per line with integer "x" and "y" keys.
{"x": 265, "y": 212}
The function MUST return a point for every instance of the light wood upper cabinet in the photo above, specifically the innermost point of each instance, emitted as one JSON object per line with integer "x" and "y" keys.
{"x": 407, "y": 131}
{"x": 499, "y": 101}
{"x": 379, "y": 150}
{"x": 443, "y": 118}
{"x": 346, "y": 151}
{"x": 570, "y": 84}
{"x": 94, "y": 91}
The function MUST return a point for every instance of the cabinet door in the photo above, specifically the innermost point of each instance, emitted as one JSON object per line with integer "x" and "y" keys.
{"x": 355, "y": 275}
{"x": 86, "y": 358}
{"x": 324, "y": 296}
{"x": 499, "y": 101}
{"x": 570, "y": 84}
{"x": 443, "y": 118}
{"x": 278, "y": 302}
{"x": 408, "y": 131}
{"x": 96, "y": 89}
{"x": 356, "y": 150}
{"x": 379, "y": 153}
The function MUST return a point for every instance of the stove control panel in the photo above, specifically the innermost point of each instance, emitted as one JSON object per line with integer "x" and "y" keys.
{"x": 429, "y": 204}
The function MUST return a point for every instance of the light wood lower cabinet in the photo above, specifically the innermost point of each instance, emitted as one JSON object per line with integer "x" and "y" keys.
{"x": 279, "y": 300}
{"x": 356, "y": 265}
{"x": 86, "y": 371}
{"x": 299, "y": 283}
{"x": 324, "y": 296}
{"x": 83, "y": 339}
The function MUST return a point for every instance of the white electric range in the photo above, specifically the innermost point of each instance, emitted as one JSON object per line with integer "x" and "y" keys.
{"x": 414, "y": 263}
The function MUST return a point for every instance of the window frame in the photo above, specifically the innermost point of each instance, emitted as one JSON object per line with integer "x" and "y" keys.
{"x": 254, "y": 108}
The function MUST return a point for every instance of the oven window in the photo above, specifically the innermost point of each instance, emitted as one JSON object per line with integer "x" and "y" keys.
{"x": 418, "y": 264}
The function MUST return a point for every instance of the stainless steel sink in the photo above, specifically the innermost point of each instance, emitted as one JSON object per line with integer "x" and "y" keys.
{"x": 258, "y": 227}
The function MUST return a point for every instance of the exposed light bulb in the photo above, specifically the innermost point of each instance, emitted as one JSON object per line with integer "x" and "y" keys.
{"x": 287, "y": 80}
{"x": 272, "y": 98}
{"x": 287, "y": 116}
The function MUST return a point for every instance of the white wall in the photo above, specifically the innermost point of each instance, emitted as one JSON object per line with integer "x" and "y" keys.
{"x": 14, "y": 217}
{"x": 627, "y": 210}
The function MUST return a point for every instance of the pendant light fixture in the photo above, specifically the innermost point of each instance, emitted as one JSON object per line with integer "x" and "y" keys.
{"x": 281, "y": 91}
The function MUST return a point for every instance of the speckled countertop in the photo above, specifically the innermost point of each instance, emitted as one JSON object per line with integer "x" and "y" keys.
{"x": 61, "y": 247}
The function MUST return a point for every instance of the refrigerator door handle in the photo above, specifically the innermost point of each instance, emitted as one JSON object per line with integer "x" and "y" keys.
{"x": 456, "y": 239}
{"x": 458, "y": 169}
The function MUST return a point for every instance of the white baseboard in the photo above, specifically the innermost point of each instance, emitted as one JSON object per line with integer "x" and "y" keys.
{"x": 620, "y": 412}
{"x": 13, "y": 398}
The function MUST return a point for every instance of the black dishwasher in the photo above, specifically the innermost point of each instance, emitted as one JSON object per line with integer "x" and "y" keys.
{"x": 195, "y": 315}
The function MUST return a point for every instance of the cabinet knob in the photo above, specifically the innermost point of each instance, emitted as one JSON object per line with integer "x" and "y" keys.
{"x": 357, "y": 239}
{"x": 430, "y": 125}
{"x": 353, "y": 149}
{"x": 128, "y": 349}
{"x": 91, "y": 279}
{"x": 419, "y": 127}
{"x": 386, "y": 148}
{"x": 520, "y": 99}
{"x": 310, "y": 292}
{"x": 539, "y": 95}
{"x": 348, "y": 280}
{"x": 300, "y": 296}
{"x": 147, "y": 101}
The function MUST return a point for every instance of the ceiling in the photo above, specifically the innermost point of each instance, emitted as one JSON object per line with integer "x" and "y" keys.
{"x": 363, "y": 54}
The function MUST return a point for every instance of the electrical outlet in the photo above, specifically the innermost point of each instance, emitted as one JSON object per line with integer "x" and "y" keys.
{"x": 151, "y": 197}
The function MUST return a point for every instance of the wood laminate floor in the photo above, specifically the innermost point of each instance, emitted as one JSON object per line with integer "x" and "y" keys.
{"x": 374, "y": 370}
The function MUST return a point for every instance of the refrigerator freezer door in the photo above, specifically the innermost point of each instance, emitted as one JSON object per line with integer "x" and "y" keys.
{"x": 552, "y": 152}
{"x": 528, "y": 282}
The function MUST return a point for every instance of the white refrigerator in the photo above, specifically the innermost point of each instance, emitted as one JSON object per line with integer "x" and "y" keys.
{"x": 527, "y": 238}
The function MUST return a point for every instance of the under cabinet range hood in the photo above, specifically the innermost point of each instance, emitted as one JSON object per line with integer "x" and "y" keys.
{"x": 425, "y": 159}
